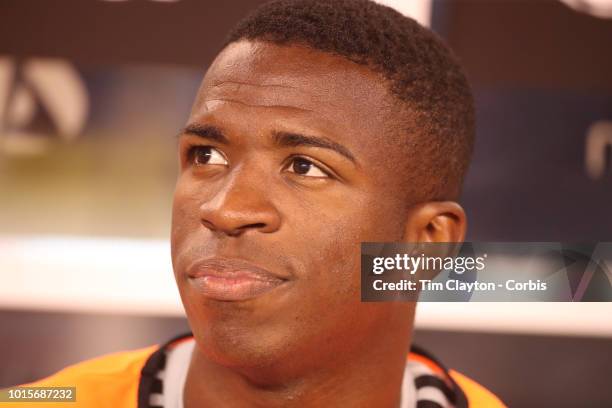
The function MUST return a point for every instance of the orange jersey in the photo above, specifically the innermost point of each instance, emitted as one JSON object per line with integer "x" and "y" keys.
{"x": 125, "y": 380}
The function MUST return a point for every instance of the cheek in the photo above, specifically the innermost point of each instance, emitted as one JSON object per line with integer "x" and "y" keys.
{"x": 185, "y": 219}
{"x": 334, "y": 239}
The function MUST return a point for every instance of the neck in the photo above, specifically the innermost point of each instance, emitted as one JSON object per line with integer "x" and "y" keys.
{"x": 371, "y": 377}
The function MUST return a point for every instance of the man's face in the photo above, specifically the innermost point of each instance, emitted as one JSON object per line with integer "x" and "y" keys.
{"x": 289, "y": 161}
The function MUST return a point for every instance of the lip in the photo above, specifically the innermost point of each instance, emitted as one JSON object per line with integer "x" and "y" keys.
{"x": 232, "y": 280}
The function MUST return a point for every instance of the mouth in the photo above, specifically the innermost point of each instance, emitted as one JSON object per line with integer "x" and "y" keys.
{"x": 232, "y": 280}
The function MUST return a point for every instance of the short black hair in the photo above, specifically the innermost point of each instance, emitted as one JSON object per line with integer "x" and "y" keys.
{"x": 421, "y": 71}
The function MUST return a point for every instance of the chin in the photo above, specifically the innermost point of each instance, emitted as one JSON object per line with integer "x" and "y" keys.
{"x": 238, "y": 333}
{"x": 238, "y": 347}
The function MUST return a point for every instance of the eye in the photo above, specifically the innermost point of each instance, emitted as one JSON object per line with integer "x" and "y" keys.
{"x": 304, "y": 167}
{"x": 202, "y": 155}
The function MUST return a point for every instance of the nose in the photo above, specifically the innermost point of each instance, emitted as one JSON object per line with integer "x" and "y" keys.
{"x": 241, "y": 205}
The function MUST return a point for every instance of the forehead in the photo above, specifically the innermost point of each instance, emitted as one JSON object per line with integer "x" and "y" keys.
{"x": 347, "y": 97}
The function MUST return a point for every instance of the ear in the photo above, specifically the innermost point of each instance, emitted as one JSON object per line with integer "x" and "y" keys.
{"x": 435, "y": 221}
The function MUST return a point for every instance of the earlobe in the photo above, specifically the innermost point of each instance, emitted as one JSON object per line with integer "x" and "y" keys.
{"x": 435, "y": 221}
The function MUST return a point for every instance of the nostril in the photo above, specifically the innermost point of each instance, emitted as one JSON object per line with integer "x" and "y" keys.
{"x": 257, "y": 225}
{"x": 208, "y": 225}
{"x": 239, "y": 231}
{"x": 254, "y": 226}
{"x": 233, "y": 231}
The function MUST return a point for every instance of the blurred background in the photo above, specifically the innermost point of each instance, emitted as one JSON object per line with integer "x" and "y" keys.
{"x": 93, "y": 93}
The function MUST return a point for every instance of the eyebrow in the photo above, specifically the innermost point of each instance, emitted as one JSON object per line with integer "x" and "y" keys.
{"x": 206, "y": 132}
{"x": 288, "y": 139}
{"x": 282, "y": 139}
